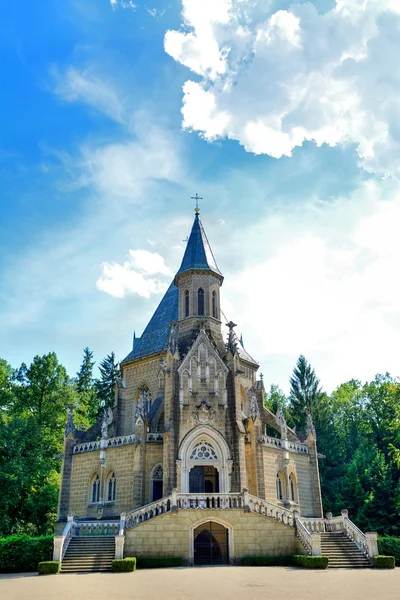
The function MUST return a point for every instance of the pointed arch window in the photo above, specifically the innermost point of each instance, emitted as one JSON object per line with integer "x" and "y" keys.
{"x": 111, "y": 488}
{"x": 200, "y": 301}
{"x": 279, "y": 487}
{"x": 186, "y": 303}
{"x": 214, "y": 304}
{"x": 156, "y": 482}
{"x": 292, "y": 488}
{"x": 95, "y": 489}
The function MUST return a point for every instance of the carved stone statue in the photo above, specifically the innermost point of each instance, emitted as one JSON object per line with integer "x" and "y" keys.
{"x": 281, "y": 421}
{"x": 310, "y": 424}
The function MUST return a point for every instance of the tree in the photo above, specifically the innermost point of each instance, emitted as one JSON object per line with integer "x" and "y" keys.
{"x": 86, "y": 408}
{"x": 305, "y": 392}
{"x": 109, "y": 373}
{"x": 31, "y": 442}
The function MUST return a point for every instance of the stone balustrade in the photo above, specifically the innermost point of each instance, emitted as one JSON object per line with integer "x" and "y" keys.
{"x": 145, "y": 513}
{"x": 89, "y": 528}
{"x": 114, "y": 442}
{"x": 155, "y": 437}
{"x": 305, "y": 536}
{"x": 209, "y": 501}
{"x": 263, "y": 507}
{"x": 314, "y": 525}
{"x": 297, "y": 447}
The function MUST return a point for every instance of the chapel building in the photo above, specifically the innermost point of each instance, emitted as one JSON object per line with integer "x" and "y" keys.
{"x": 190, "y": 462}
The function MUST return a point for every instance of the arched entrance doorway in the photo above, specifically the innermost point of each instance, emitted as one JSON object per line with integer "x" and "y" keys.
{"x": 203, "y": 480}
{"x": 210, "y": 544}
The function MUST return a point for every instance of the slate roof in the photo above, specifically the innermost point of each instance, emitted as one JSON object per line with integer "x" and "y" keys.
{"x": 154, "y": 408}
{"x": 155, "y": 336}
{"x": 242, "y": 352}
{"x": 198, "y": 254}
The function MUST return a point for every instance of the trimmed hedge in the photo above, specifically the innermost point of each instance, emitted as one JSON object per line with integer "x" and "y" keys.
{"x": 310, "y": 562}
{"x": 383, "y": 562}
{"x": 268, "y": 561}
{"x": 389, "y": 545}
{"x": 124, "y": 565}
{"x": 49, "y": 567}
{"x": 21, "y": 553}
{"x": 159, "y": 562}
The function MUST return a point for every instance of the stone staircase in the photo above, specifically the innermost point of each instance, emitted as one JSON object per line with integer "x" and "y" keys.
{"x": 89, "y": 554}
{"x": 342, "y": 551}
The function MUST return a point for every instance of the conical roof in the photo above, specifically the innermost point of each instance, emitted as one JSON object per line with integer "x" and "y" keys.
{"x": 198, "y": 254}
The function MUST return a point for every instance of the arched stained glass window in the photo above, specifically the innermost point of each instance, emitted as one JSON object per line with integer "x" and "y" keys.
{"x": 279, "y": 489}
{"x": 200, "y": 301}
{"x": 214, "y": 305}
{"x": 111, "y": 488}
{"x": 186, "y": 301}
{"x": 95, "y": 495}
{"x": 203, "y": 451}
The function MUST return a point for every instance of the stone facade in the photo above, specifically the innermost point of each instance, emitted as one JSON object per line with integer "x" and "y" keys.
{"x": 189, "y": 416}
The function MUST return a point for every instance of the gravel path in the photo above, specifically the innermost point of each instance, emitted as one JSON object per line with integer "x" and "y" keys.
{"x": 207, "y": 583}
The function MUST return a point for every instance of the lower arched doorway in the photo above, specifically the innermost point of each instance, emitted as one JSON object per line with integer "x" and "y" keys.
{"x": 210, "y": 544}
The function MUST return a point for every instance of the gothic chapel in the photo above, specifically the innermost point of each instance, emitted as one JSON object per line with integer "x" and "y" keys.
{"x": 183, "y": 465}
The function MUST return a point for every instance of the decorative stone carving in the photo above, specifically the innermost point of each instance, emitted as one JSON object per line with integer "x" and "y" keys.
{"x": 163, "y": 366}
{"x": 70, "y": 426}
{"x": 281, "y": 421}
{"x": 310, "y": 424}
{"x": 254, "y": 411}
{"x": 204, "y": 413}
{"x": 173, "y": 337}
{"x": 232, "y": 344}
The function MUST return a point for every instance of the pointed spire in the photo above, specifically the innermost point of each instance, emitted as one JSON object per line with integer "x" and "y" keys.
{"x": 241, "y": 340}
{"x": 198, "y": 254}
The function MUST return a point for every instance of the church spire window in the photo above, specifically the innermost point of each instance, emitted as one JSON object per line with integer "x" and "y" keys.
{"x": 200, "y": 301}
{"x": 214, "y": 304}
{"x": 186, "y": 302}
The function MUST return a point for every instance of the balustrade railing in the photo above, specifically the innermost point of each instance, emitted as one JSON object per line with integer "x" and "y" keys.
{"x": 209, "y": 501}
{"x": 304, "y": 535}
{"x": 263, "y": 507}
{"x": 89, "y": 528}
{"x": 155, "y": 437}
{"x": 313, "y": 525}
{"x": 285, "y": 444}
{"x": 114, "y": 442}
{"x": 60, "y": 542}
{"x": 356, "y": 535}
{"x": 145, "y": 513}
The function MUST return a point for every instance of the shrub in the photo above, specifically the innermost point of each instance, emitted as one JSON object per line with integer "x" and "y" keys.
{"x": 267, "y": 561}
{"x": 310, "y": 562}
{"x": 19, "y": 553}
{"x": 49, "y": 567}
{"x": 389, "y": 545}
{"x": 158, "y": 562}
{"x": 383, "y": 562}
{"x": 124, "y": 565}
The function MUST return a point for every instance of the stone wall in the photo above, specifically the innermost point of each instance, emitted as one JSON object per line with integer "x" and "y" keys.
{"x": 250, "y": 534}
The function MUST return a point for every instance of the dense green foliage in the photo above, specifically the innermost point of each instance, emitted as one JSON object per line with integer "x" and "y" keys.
{"x": 383, "y": 562}
{"x": 390, "y": 545}
{"x": 124, "y": 565}
{"x": 358, "y": 435}
{"x": 310, "y": 562}
{"x": 49, "y": 567}
{"x": 158, "y": 562}
{"x": 33, "y": 414}
{"x": 19, "y": 553}
{"x": 267, "y": 561}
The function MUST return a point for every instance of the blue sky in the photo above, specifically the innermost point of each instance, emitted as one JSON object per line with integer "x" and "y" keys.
{"x": 282, "y": 115}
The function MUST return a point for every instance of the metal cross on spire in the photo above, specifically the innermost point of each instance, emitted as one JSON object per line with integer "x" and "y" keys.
{"x": 197, "y": 198}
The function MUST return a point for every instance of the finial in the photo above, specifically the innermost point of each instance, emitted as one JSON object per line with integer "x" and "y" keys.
{"x": 261, "y": 376}
{"x": 197, "y": 198}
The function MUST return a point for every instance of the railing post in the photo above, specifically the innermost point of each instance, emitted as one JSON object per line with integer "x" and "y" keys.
{"x": 316, "y": 544}
{"x": 246, "y": 503}
{"x": 122, "y": 520}
{"x": 345, "y": 515}
{"x": 58, "y": 543}
{"x": 174, "y": 500}
{"x": 119, "y": 546}
{"x": 372, "y": 542}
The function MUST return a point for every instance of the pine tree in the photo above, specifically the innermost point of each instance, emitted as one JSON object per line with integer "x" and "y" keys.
{"x": 305, "y": 392}
{"x": 86, "y": 409}
{"x": 105, "y": 386}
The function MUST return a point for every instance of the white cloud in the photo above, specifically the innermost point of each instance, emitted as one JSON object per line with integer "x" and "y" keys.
{"x": 273, "y": 83}
{"x": 135, "y": 275}
{"x": 85, "y": 86}
{"x": 123, "y": 4}
{"x": 325, "y": 285}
